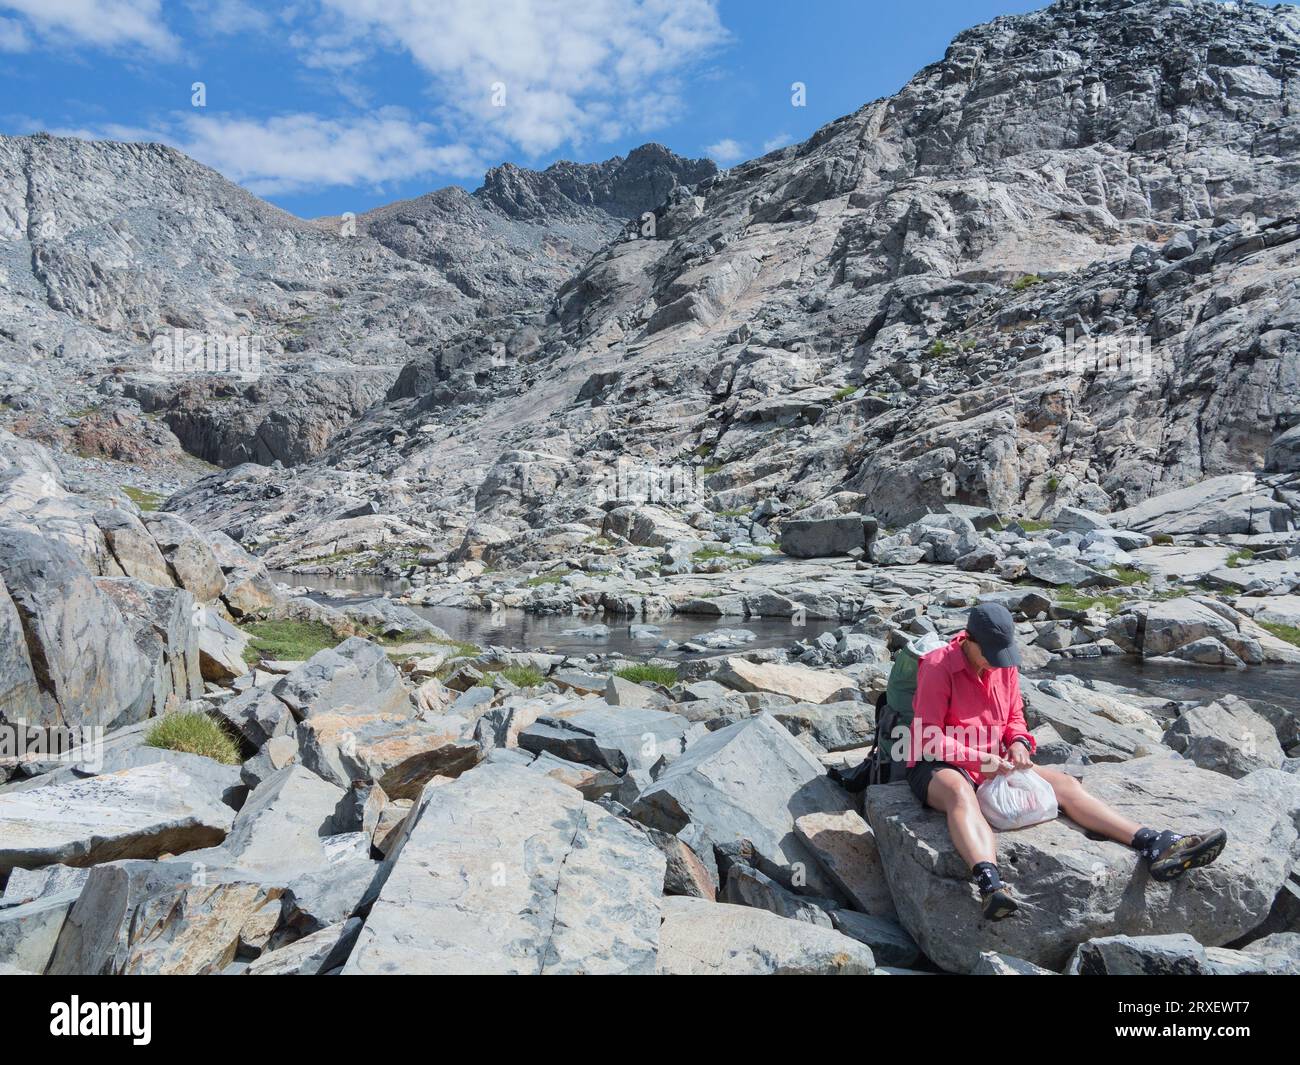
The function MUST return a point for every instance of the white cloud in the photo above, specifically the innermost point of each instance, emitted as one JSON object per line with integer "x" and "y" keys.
{"x": 107, "y": 24}
{"x": 230, "y": 16}
{"x": 13, "y": 38}
{"x": 725, "y": 152}
{"x": 779, "y": 141}
{"x": 570, "y": 71}
{"x": 296, "y": 152}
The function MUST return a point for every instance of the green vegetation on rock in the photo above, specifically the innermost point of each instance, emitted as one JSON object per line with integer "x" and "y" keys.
{"x": 291, "y": 641}
{"x": 645, "y": 673}
{"x": 143, "y": 498}
{"x": 1290, "y": 633}
{"x": 191, "y": 732}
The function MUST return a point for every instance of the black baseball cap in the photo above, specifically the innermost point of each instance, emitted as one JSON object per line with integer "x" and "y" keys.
{"x": 990, "y": 625}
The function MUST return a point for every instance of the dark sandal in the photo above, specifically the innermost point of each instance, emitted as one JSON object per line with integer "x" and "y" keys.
{"x": 998, "y": 905}
{"x": 1188, "y": 852}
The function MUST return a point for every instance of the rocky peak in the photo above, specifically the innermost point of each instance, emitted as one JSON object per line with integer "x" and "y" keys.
{"x": 623, "y": 187}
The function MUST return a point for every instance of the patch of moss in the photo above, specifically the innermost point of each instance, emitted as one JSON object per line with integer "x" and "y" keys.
{"x": 1290, "y": 633}
{"x": 1033, "y": 525}
{"x": 291, "y": 641}
{"x": 842, "y": 394}
{"x": 554, "y": 577}
{"x": 191, "y": 732}
{"x": 1024, "y": 282}
{"x": 143, "y": 498}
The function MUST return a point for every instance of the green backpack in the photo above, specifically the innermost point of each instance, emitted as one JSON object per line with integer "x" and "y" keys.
{"x": 893, "y": 708}
{"x": 902, "y": 676}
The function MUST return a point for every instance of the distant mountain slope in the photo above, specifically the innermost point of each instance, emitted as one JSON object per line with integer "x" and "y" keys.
{"x": 103, "y": 246}
{"x": 879, "y": 309}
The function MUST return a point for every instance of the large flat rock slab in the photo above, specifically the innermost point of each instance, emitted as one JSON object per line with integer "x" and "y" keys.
{"x": 798, "y": 682}
{"x": 143, "y": 812}
{"x": 1072, "y": 888}
{"x": 703, "y": 938}
{"x": 616, "y": 738}
{"x": 508, "y": 871}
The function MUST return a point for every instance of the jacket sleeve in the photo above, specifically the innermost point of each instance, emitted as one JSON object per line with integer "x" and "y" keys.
{"x": 1016, "y": 727}
{"x": 930, "y": 735}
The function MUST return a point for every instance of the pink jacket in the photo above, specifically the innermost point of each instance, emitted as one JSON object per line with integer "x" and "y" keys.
{"x": 957, "y": 716}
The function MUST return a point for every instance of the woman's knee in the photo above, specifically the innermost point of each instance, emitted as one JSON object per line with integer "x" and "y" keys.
{"x": 949, "y": 790}
{"x": 1065, "y": 786}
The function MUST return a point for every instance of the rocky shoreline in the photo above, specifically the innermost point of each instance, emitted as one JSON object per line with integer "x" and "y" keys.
{"x": 664, "y": 812}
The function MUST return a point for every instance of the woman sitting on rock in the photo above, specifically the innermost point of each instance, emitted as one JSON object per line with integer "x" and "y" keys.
{"x": 969, "y": 724}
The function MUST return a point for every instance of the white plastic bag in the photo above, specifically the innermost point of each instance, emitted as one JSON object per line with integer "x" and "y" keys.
{"x": 1016, "y": 800}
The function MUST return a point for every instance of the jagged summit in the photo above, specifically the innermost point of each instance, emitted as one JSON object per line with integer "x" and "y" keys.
{"x": 623, "y": 187}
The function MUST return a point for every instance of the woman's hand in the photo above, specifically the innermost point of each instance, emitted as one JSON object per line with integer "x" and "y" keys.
{"x": 991, "y": 765}
{"x": 1019, "y": 755}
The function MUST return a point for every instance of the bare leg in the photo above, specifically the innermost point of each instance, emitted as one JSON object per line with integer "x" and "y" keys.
{"x": 951, "y": 793}
{"x": 1086, "y": 810}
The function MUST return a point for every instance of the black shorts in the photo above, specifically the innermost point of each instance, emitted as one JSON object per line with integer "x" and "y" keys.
{"x": 918, "y": 777}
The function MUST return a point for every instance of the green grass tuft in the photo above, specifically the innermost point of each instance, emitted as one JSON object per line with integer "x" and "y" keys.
{"x": 1027, "y": 281}
{"x": 706, "y": 554}
{"x": 519, "y": 676}
{"x": 192, "y": 732}
{"x": 1073, "y": 599}
{"x": 844, "y": 393}
{"x": 648, "y": 674}
{"x": 1128, "y": 575}
{"x": 1238, "y": 557}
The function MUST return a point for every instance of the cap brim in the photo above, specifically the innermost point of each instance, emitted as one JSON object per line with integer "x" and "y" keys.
{"x": 1004, "y": 657}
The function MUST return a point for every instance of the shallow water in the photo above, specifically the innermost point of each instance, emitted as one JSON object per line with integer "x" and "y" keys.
{"x": 1275, "y": 684}
{"x": 516, "y": 629}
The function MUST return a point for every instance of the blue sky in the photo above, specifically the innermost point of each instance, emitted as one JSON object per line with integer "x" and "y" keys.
{"x": 325, "y": 106}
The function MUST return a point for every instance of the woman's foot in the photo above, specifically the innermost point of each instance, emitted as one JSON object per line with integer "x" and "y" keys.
{"x": 994, "y": 900}
{"x": 1170, "y": 855}
{"x": 997, "y": 904}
